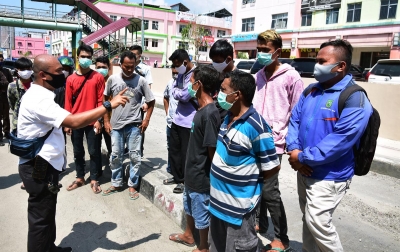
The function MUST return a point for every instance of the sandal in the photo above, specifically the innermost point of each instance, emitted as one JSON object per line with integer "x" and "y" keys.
{"x": 169, "y": 181}
{"x": 268, "y": 247}
{"x": 175, "y": 238}
{"x": 111, "y": 190}
{"x": 179, "y": 188}
{"x": 95, "y": 187}
{"x": 75, "y": 185}
{"x": 134, "y": 195}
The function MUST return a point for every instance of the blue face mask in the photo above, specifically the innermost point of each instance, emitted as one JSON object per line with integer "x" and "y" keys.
{"x": 84, "y": 62}
{"x": 103, "y": 71}
{"x": 222, "y": 100}
{"x": 191, "y": 91}
{"x": 265, "y": 59}
{"x": 322, "y": 73}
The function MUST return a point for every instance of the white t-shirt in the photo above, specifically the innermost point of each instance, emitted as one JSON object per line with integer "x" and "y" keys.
{"x": 38, "y": 113}
{"x": 145, "y": 70}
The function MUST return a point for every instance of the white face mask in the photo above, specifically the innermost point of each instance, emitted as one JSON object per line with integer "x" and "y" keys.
{"x": 181, "y": 69}
{"x": 66, "y": 73}
{"x": 26, "y": 74}
{"x": 126, "y": 75}
{"x": 220, "y": 67}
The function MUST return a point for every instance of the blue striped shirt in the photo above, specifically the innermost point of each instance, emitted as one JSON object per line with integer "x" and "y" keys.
{"x": 243, "y": 152}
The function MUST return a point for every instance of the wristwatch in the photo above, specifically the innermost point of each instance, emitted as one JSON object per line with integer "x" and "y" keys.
{"x": 107, "y": 105}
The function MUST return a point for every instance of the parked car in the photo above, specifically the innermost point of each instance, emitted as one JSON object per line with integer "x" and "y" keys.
{"x": 357, "y": 72}
{"x": 244, "y": 64}
{"x": 257, "y": 66}
{"x": 305, "y": 66}
{"x": 385, "y": 71}
{"x": 10, "y": 65}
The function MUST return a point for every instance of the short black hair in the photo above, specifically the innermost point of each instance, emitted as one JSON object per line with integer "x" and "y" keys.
{"x": 1, "y": 56}
{"x": 23, "y": 63}
{"x": 180, "y": 55}
{"x": 136, "y": 48}
{"x": 103, "y": 59}
{"x": 245, "y": 83}
{"x": 85, "y": 48}
{"x": 221, "y": 48}
{"x": 343, "y": 49}
{"x": 209, "y": 78}
{"x": 126, "y": 54}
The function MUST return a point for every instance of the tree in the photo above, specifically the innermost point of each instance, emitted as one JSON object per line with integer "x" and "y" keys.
{"x": 194, "y": 34}
{"x": 26, "y": 54}
{"x": 243, "y": 55}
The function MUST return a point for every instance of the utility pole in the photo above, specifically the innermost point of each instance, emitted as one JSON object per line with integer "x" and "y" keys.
{"x": 142, "y": 25}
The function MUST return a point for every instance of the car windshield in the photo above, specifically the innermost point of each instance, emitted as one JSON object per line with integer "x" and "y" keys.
{"x": 387, "y": 69}
{"x": 244, "y": 65}
{"x": 304, "y": 66}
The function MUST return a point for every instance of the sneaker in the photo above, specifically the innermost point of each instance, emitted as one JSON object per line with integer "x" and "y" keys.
{"x": 1, "y": 142}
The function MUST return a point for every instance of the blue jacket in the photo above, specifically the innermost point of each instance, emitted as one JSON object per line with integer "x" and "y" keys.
{"x": 327, "y": 141}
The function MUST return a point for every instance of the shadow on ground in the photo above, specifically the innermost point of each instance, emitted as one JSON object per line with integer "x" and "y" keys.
{"x": 89, "y": 236}
{"x": 9, "y": 181}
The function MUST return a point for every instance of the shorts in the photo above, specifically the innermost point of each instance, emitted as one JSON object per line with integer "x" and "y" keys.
{"x": 196, "y": 205}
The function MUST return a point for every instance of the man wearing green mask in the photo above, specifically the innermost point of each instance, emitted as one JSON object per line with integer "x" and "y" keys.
{"x": 84, "y": 91}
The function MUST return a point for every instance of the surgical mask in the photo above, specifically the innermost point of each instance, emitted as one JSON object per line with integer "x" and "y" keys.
{"x": 103, "y": 71}
{"x": 84, "y": 62}
{"x": 127, "y": 76}
{"x": 322, "y": 73}
{"x": 57, "y": 81}
{"x": 222, "y": 100}
{"x": 181, "y": 69}
{"x": 66, "y": 73}
{"x": 26, "y": 74}
{"x": 191, "y": 91}
{"x": 265, "y": 59}
{"x": 220, "y": 67}
{"x": 174, "y": 76}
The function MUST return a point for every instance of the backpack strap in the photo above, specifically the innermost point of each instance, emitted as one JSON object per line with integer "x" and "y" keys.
{"x": 350, "y": 89}
{"x": 308, "y": 90}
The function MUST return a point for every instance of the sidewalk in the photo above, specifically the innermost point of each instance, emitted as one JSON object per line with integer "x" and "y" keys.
{"x": 386, "y": 161}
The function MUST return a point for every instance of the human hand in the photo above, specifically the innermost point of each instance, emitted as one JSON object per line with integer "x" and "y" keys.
{"x": 119, "y": 99}
{"x": 107, "y": 127}
{"x": 68, "y": 131}
{"x": 305, "y": 170}
{"x": 97, "y": 127}
{"x": 145, "y": 107}
{"x": 294, "y": 159}
{"x": 144, "y": 125}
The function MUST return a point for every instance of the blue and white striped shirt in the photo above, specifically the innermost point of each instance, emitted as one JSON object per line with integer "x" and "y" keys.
{"x": 243, "y": 152}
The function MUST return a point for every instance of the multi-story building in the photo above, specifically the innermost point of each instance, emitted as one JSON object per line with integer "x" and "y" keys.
{"x": 371, "y": 26}
{"x": 7, "y": 39}
{"x": 28, "y": 47}
{"x": 61, "y": 43}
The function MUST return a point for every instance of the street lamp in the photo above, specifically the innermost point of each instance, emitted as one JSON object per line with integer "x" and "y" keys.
{"x": 142, "y": 24}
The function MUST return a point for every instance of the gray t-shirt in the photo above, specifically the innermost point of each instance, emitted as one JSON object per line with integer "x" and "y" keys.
{"x": 137, "y": 88}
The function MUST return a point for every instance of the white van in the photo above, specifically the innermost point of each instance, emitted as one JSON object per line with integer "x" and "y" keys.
{"x": 385, "y": 71}
{"x": 244, "y": 64}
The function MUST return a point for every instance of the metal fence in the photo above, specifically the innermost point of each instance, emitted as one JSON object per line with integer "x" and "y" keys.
{"x": 37, "y": 14}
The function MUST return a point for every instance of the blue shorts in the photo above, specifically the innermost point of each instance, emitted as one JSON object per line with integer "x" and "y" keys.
{"x": 196, "y": 205}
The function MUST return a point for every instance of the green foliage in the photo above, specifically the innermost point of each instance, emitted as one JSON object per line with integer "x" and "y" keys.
{"x": 242, "y": 55}
{"x": 194, "y": 34}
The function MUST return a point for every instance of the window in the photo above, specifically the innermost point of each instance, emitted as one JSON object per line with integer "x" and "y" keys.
{"x": 203, "y": 49}
{"x": 154, "y": 25}
{"x": 247, "y": 24}
{"x": 154, "y": 42}
{"x": 19, "y": 52}
{"x": 306, "y": 19}
{"x": 279, "y": 21}
{"x": 248, "y": 1}
{"x": 220, "y": 34}
{"x": 181, "y": 27}
{"x": 388, "y": 9}
{"x": 29, "y": 44}
{"x": 207, "y": 32}
{"x": 332, "y": 16}
{"x": 113, "y": 18}
{"x": 354, "y": 12}
{"x": 145, "y": 24}
{"x": 19, "y": 43}
{"x": 146, "y": 42}
{"x": 183, "y": 45}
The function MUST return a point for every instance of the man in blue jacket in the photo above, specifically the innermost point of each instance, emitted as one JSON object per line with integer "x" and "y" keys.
{"x": 320, "y": 144}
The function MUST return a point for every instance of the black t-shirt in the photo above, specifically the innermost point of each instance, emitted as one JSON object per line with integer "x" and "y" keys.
{"x": 203, "y": 134}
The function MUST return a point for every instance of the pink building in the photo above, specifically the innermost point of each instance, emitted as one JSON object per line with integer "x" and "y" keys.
{"x": 23, "y": 45}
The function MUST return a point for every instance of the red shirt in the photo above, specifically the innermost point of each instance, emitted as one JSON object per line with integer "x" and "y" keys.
{"x": 91, "y": 95}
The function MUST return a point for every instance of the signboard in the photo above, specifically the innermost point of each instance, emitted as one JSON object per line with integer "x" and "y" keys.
{"x": 208, "y": 39}
{"x": 185, "y": 17}
{"x": 317, "y": 5}
{"x": 46, "y": 41}
{"x": 309, "y": 50}
{"x": 244, "y": 37}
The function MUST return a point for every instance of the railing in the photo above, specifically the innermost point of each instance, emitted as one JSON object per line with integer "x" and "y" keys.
{"x": 31, "y": 13}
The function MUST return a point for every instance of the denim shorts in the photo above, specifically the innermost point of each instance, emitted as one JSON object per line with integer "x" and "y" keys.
{"x": 196, "y": 205}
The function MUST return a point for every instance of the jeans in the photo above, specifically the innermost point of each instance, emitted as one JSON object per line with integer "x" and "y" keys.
{"x": 318, "y": 200}
{"x": 41, "y": 208}
{"x": 94, "y": 149}
{"x": 179, "y": 141}
{"x": 271, "y": 201}
{"x": 168, "y": 139}
{"x": 196, "y": 205}
{"x": 131, "y": 136}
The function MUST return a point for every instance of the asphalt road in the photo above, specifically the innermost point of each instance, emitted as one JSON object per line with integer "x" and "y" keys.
{"x": 368, "y": 218}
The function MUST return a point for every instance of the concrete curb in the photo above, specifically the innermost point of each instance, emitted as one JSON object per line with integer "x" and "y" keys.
{"x": 386, "y": 166}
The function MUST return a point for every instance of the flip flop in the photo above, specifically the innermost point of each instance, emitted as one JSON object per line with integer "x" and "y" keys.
{"x": 178, "y": 240}
{"x": 110, "y": 190}
{"x": 169, "y": 181}
{"x": 96, "y": 187}
{"x": 179, "y": 188}
{"x": 134, "y": 195}
{"x": 74, "y": 185}
{"x": 269, "y": 247}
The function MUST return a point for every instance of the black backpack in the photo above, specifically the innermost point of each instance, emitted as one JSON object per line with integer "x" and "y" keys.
{"x": 364, "y": 155}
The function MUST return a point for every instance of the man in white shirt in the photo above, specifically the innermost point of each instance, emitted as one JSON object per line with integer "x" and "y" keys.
{"x": 39, "y": 115}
